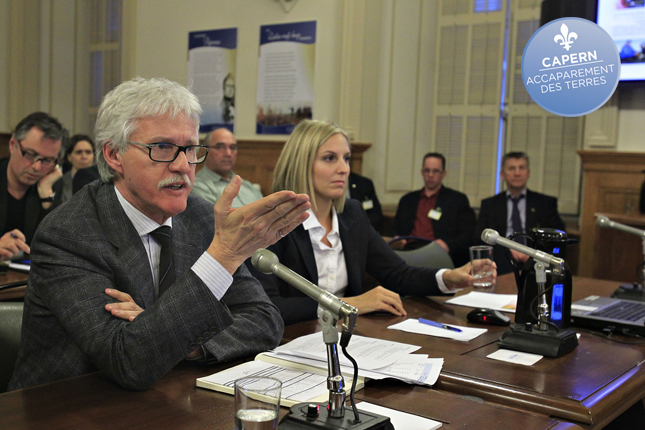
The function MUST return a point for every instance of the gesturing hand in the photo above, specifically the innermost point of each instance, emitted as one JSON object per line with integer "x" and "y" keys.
{"x": 242, "y": 231}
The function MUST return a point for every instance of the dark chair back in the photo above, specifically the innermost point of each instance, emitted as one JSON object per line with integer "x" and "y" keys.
{"x": 432, "y": 256}
{"x": 10, "y": 326}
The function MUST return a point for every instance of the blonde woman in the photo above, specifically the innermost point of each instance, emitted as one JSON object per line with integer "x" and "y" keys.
{"x": 337, "y": 245}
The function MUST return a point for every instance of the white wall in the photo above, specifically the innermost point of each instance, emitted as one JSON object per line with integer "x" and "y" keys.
{"x": 162, "y": 45}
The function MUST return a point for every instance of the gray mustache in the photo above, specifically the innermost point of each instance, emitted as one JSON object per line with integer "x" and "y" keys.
{"x": 174, "y": 179}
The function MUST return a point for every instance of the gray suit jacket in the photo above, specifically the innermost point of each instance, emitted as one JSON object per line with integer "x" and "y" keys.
{"x": 88, "y": 245}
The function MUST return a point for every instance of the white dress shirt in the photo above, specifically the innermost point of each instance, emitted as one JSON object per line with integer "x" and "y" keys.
{"x": 330, "y": 261}
{"x": 209, "y": 270}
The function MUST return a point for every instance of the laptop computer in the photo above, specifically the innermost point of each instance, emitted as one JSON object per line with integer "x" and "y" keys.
{"x": 598, "y": 312}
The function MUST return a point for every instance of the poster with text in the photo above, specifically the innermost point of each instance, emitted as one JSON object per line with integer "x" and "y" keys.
{"x": 211, "y": 75}
{"x": 285, "y": 76}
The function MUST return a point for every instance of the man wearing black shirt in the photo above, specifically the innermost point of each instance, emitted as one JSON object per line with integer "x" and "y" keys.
{"x": 27, "y": 178}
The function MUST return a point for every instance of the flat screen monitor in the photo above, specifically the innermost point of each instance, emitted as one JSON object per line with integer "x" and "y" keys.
{"x": 624, "y": 20}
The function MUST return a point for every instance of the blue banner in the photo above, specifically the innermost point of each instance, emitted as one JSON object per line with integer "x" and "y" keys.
{"x": 225, "y": 38}
{"x": 299, "y": 32}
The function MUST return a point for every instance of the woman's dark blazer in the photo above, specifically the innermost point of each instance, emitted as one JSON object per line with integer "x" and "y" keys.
{"x": 364, "y": 250}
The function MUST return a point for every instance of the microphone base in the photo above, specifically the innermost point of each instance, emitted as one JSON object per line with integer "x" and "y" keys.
{"x": 549, "y": 343}
{"x": 297, "y": 419}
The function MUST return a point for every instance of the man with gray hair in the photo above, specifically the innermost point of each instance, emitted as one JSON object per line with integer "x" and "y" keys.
{"x": 27, "y": 178}
{"x": 130, "y": 276}
{"x": 218, "y": 171}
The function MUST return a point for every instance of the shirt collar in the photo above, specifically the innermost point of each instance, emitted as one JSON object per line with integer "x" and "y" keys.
{"x": 217, "y": 176}
{"x": 523, "y": 193}
{"x": 435, "y": 194}
{"x": 312, "y": 221}
{"x": 142, "y": 223}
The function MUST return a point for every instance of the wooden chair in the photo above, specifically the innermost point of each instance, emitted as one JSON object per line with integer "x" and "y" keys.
{"x": 432, "y": 255}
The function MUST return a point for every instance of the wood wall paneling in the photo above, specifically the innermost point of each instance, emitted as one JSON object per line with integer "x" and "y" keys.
{"x": 4, "y": 144}
{"x": 612, "y": 182}
{"x": 256, "y": 160}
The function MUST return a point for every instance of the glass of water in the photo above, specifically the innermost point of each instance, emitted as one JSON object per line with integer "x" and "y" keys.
{"x": 481, "y": 259}
{"x": 257, "y": 403}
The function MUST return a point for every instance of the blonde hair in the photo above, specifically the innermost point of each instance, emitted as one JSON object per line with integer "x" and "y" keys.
{"x": 293, "y": 169}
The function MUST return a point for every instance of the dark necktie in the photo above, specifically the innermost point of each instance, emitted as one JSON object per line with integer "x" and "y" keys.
{"x": 516, "y": 220}
{"x": 163, "y": 236}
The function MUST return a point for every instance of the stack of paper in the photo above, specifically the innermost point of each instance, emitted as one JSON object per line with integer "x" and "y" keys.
{"x": 376, "y": 358}
{"x": 301, "y": 365}
{"x": 298, "y": 385}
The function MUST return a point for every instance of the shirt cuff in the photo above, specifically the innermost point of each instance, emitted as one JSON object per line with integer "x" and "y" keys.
{"x": 216, "y": 278}
{"x": 442, "y": 285}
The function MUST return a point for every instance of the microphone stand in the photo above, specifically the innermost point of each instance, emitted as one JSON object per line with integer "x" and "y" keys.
{"x": 335, "y": 380}
{"x": 545, "y": 338}
{"x": 543, "y": 307}
{"x": 548, "y": 339}
{"x": 330, "y": 415}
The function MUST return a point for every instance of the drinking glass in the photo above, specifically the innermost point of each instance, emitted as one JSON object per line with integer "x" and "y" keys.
{"x": 257, "y": 403}
{"x": 481, "y": 259}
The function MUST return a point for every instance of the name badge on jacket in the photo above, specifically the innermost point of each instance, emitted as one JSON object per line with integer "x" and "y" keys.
{"x": 435, "y": 214}
{"x": 368, "y": 204}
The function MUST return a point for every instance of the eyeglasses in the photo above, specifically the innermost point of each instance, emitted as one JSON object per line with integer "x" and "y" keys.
{"x": 34, "y": 157}
{"x": 167, "y": 152}
{"x": 223, "y": 147}
{"x": 432, "y": 171}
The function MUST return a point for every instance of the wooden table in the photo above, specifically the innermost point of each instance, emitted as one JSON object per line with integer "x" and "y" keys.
{"x": 94, "y": 402}
{"x": 12, "y": 293}
{"x": 591, "y": 385}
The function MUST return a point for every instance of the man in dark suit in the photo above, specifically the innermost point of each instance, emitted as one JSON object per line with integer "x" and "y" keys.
{"x": 436, "y": 212}
{"x": 130, "y": 276}
{"x": 517, "y": 209}
{"x": 27, "y": 180}
{"x": 362, "y": 189}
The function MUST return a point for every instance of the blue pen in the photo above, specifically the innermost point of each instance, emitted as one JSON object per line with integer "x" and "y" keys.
{"x": 436, "y": 324}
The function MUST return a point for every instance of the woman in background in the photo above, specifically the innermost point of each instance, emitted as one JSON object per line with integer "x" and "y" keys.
{"x": 337, "y": 245}
{"x": 80, "y": 154}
